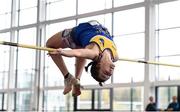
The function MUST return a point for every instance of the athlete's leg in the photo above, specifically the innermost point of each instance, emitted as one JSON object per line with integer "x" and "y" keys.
{"x": 56, "y": 41}
{"x": 79, "y": 66}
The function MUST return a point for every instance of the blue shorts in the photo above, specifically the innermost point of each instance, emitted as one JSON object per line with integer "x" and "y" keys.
{"x": 83, "y": 33}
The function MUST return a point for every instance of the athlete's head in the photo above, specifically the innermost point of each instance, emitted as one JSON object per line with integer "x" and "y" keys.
{"x": 102, "y": 68}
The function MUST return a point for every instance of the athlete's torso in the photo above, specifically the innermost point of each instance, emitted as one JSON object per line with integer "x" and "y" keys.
{"x": 83, "y": 33}
{"x": 86, "y": 33}
{"x": 105, "y": 43}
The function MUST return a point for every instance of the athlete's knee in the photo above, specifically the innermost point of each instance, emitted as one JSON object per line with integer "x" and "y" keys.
{"x": 49, "y": 43}
{"x": 53, "y": 42}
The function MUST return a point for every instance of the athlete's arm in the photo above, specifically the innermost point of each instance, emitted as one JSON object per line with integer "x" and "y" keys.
{"x": 81, "y": 53}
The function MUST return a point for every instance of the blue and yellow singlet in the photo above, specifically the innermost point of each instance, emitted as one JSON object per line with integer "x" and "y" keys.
{"x": 105, "y": 43}
{"x": 85, "y": 33}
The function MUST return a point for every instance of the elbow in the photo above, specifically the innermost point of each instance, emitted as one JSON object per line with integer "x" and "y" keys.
{"x": 78, "y": 54}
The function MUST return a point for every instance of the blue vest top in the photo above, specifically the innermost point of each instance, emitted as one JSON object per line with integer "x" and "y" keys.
{"x": 83, "y": 33}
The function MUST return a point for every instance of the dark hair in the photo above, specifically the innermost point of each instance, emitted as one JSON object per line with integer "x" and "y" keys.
{"x": 95, "y": 71}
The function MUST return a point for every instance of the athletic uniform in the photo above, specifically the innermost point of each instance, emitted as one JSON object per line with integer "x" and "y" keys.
{"x": 90, "y": 32}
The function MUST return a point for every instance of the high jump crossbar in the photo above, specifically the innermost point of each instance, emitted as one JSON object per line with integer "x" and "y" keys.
{"x": 52, "y": 49}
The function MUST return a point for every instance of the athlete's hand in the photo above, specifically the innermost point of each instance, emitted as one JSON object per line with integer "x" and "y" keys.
{"x": 57, "y": 51}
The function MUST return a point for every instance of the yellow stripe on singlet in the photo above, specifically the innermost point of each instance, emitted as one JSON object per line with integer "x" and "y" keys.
{"x": 105, "y": 43}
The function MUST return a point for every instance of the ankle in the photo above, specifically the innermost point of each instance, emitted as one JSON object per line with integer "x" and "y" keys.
{"x": 78, "y": 78}
{"x": 67, "y": 75}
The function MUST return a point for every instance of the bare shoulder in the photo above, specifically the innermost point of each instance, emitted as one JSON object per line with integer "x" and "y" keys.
{"x": 94, "y": 48}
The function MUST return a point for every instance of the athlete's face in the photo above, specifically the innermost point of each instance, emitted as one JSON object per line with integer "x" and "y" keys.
{"x": 106, "y": 70}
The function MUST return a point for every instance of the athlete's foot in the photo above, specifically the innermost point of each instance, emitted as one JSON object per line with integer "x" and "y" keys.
{"x": 68, "y": 82}
{"x": 76, "y": 89}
